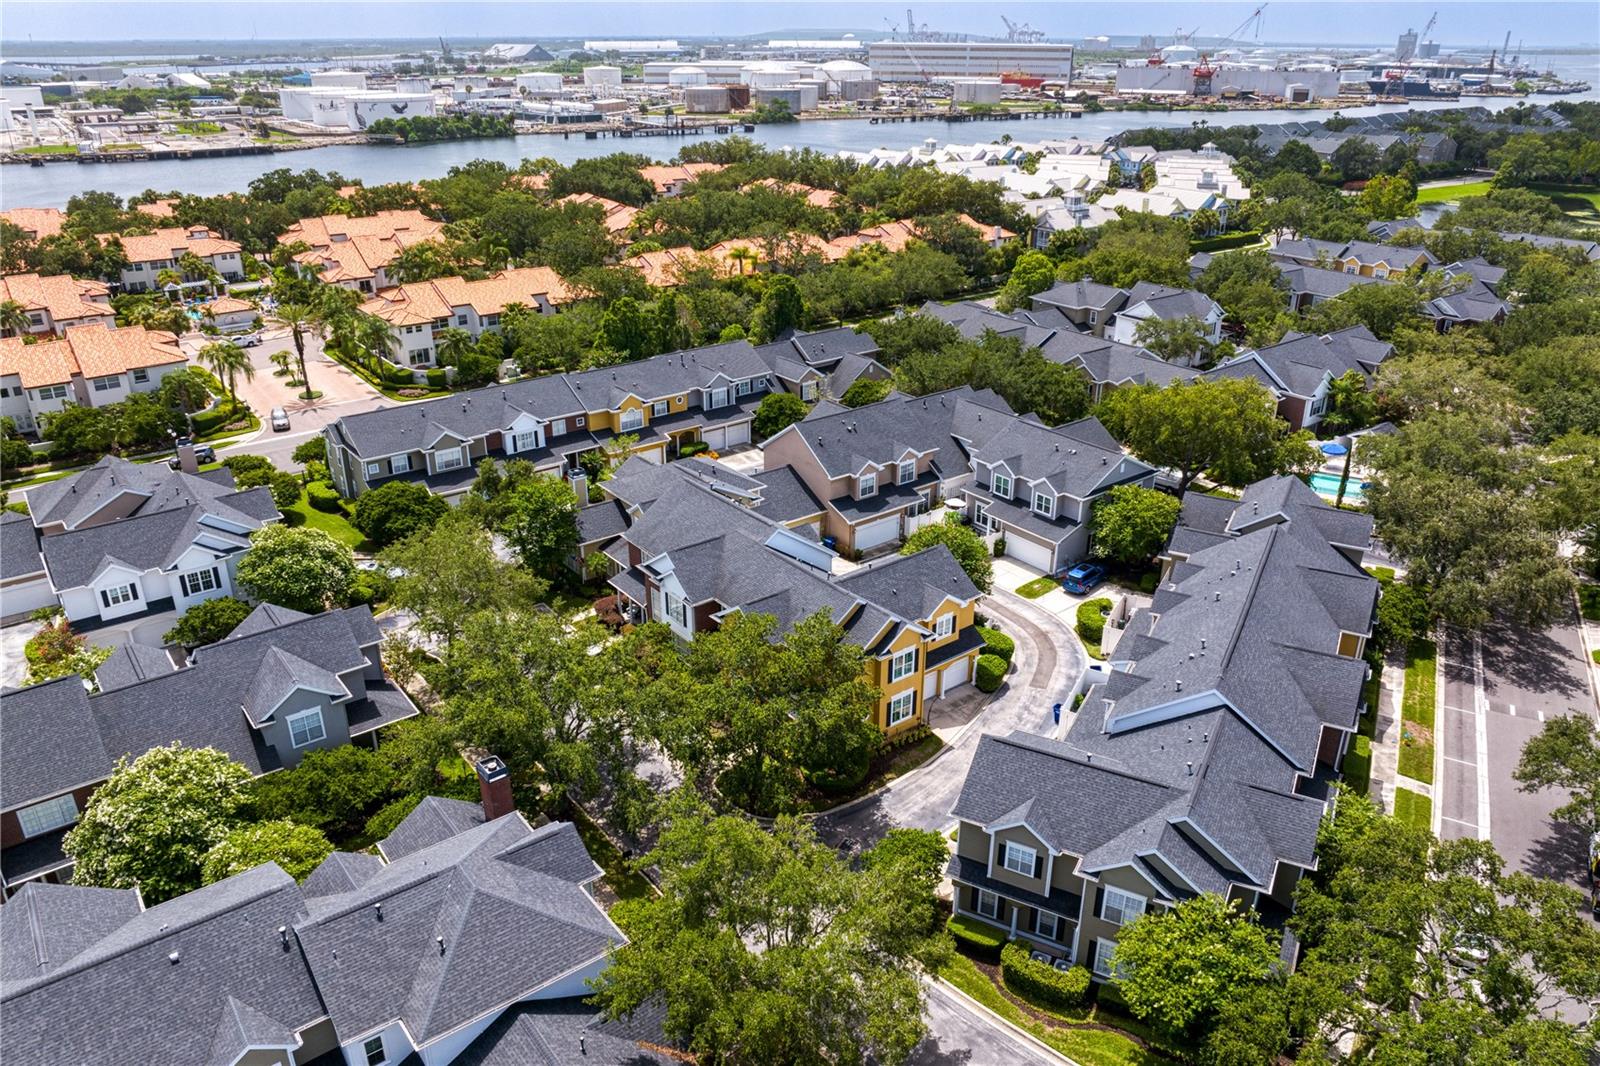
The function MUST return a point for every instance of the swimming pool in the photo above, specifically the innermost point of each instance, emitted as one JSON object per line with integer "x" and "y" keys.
{"x": 1328, "y": 485}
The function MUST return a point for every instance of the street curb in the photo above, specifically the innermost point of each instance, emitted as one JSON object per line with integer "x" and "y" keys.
{"x": 1435, "y": 801}
{"x": 1589, "y": 667}
{"x": 1004, "y": 1023}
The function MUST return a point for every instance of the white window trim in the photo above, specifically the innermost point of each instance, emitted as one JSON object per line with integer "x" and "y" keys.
{"x": 399, "y": 464}
{"x": 1048, "y": 502}
{"x": 1055, "y": 925}
{"x": 660, "y": 409}
{"x": 367, "y": 1051}
{"x": 322, "y": 727}
{"x": 1103, "y": 950}
{"x": 903, "y": 664}
{"x": 453, "y": 453}
{"x": 374, "y": 469}
{"x": 195, "y": 581}
{"x": 632, "y": 418}
{"x": 906, "y": 472}
{"x": 944, "y": 625}
{"x": 117, "y": 595}
{"x": 906, "y": 701}
{"x": 994, "y": 903}
{"x": 1127, "y": 905}
{"x": 867, "y": 485}
{"x": 1012, "y": 848}
{"x": 47, "y": 816}
{"x": 995, "y": 481}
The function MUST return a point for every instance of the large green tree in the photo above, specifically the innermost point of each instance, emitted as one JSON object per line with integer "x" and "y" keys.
{"x": 541, "y": 523}
{"x": 776, "y": 411}
{"x": 396, "y": 510}
{"x": 1566, "y": 755}
{"x": 1131, "y": 524}
{"x": 968, "y": 548}
{"x": 450, "y": 572}
{"x": 767, "y": 947}
{"x": 154, "y": 820}
{"x": 297, "y": 567}
{"x": 298, "y": 849}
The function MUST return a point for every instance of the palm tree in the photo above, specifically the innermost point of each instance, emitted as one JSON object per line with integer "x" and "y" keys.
{"x": 376, "y": 338}
{"x": 228, "y": 362}
{"x": 453, "y": 343}
{"x": 169, "y": 279}
{"x": 14, "y": 319}
{"x": 741, "y": 255}
{"x": 302, "y": 320}
{"x": 281, "y": 360}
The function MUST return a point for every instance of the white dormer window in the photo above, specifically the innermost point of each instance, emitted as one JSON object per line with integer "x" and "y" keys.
{"x": 1044, "y": 504}
{"x": 906, "y": 473}
{"x": 944, "y": 625}
{"x": 306, "y": 727}
{"x": 743, "y": 388}
{"x": 808, "y": 391}
{"x": 659, "y": 409}
{"x": 1000, "y": 485}
{"x": 868, "y": 485}
{"x": 1020, "y": 859}
{"x": 632, "y": 418}
{"x": 1119, "y": 907}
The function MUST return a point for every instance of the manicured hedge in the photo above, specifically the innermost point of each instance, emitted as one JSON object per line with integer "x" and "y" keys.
{"x": 976, "y": 939}
{"x": 1027, "y": 978}
{"x": 991, "y": 671}
{"x": 396, "y": 375}
{"x": 1092, "y": 619}
{"x": 437, "y": 378}
{"x": 691, "y": 448}
{"x": 1226, "y": 240}
{"x": 324, "y": 497}
{"x": 997, "y": 643}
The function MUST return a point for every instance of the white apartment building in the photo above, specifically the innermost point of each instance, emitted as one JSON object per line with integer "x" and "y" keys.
{"x": 90, "y": 365}
{"x": 150, "y": 254}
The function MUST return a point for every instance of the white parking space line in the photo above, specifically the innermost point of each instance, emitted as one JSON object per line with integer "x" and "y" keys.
{"x": 1512, "y": 707}
{"x": 1458, "y": 821}
{"x": 1458, "y": 710}
{"x": 1481, "y": 723}
{"x": 1541, "y": 716}
{"x": 1463, "y": 762}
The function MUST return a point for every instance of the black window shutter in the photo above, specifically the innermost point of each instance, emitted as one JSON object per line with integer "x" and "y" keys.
{"x": 1099, "y": 901}
{"x": 133, "y": 589}
{"x": 105, "y": 599}
{"x": 1034, "y": 872}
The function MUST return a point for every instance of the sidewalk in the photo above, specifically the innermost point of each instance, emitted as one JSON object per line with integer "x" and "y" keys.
{"x": 1386, "y": 775}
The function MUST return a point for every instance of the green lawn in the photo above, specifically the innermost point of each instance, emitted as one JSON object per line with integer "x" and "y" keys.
{"x": 1088, "y": 1046}
{"x": 623, "y": 881}
{"x": 1416, "y": 712}
{"x": 1581, "y": 202}
{"x": 1413, "y": 808}
{"x": 336, "y": 526}
{"x": 1589, "y": 601}
{"x": 1037, "y": 587}
{"x": 1439, "y": 194}
{"x": 1384, "y": 574}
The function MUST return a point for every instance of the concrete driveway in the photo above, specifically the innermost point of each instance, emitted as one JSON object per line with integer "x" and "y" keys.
{"x": 146, "y": 630}
{"x": 748, "y": 459}
{"x": 1047, "y": 664}
{"x": 13, "y": 663}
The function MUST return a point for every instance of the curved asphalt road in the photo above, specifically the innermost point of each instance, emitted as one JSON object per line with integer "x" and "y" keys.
{"x": 1047, "y": 662}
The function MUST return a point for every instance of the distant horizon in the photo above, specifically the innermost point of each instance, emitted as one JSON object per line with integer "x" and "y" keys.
{"x": 1320, "y": 23}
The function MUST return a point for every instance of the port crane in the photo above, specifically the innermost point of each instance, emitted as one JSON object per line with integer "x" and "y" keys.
{"x": 1204, "y": 71}
{"x": 1023, "y": 34}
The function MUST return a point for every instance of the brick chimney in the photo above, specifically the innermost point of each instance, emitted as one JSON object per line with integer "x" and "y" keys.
{"x": 186, "y": 457}
{"x": 494, "y": 786}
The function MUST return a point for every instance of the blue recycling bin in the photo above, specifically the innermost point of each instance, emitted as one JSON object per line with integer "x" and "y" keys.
{"x": 1055, "y": 712}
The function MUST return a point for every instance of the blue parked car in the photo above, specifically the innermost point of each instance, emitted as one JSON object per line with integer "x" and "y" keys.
{"x": 1082, "y": 578}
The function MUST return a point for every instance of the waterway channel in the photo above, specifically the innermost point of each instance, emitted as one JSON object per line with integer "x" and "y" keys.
{"x": 52, "y": 184}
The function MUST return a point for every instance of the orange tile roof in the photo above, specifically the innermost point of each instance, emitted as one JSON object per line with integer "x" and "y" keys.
{"x": 429, "y": 301}
{"x": 42, "y": 222}
{"x": 664, "y": 269}
{"x": 616, "y": 218}
{"x": 157, "y": 208}
{"x": 226, "y": 305}
{"x": 536, "y": 182}
{"x": 895, "y": 235}
{"x": 815, "y": 197}
{"x": 91, "y": 351}
{"x": 346, "y": 248}
{"x": 172, "y": 243}
{"x": 66, "y": 298}
{"x": 663, "y": 176}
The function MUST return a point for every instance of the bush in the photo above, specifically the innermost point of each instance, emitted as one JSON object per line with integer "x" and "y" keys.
{"x": 1043, "y": 984}
{"x": 1148, "y": 582}
{"x": 396, "y": 375}
{"x": 208, "y": 622}
{"x": 1226, "y": 240}
{"x": 606, "y": 610}
{"x": 1092, "y": 619}
{"x": 991, "y": 671}
{"x": 285, "y": 486}
{"x": 369, "y": 587}
{"x": 437, "y": 378}
{"x": 389, "y": 816}
{"x": 692, "y": 448}
{"x": 976, "y": 939}
{"x": 395, "y": 510}
{"x": 997, "y": 643}
{"x": 324, "y": 497}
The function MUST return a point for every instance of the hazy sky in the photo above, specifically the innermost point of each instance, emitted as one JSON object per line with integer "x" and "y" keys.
{"x": 1330, "y": 21}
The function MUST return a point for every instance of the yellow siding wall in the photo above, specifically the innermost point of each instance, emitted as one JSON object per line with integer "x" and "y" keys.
{"x": 878, "y": 669}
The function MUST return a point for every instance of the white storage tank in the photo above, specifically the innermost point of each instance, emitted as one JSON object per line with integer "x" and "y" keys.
{"x": 976, "y": 90}
{"x": 839, "y": 71}
{"x": 686, "y": 76}
{"x": 768, "y": 75}
{"x": 413, "y": 85}
{"x": 539, "y": 83}
{"x": 338, "y": 79}
{"x": 1179, "y": 53}
{"x": 602, "y": 77}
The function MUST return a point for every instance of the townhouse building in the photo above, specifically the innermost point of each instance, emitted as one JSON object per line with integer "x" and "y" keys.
{"x": 149, "y": 254}
{"x": 468, "y": 938}
{"x": 1366, "y": 258}
{"x": 1478, "y": 301}
{"x": 1202, "y": 762}
{"x": 703, "y": 395}
{"x": 671, "y": 179}
{"x": 1300, "y": 370}
{"x": 56, "y": 302}
{"x": 36, "y": 223}
{"x": 89, "y": 365}
{"x": 418, "y": 310}
{"x": 281, "y": 685}
{"x": 697, "y": 542}
{"x": 357, "y": 252}
{"x": 823, "y": 363}
{"x": 123, "y": 539}
{"x": 1087, "y": 304}
{"x": 615, "y": 216}
{"x": 1148, "y": 301}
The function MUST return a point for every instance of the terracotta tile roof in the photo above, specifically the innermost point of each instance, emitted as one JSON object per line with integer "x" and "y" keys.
{"x": 427, "y": 301}
{"x": 157, "y": 208}
{"x": 226, "y": 305}
{"x": 536, "y": 182}
{"x": 664, "y": 269}
{"x": 42, "y": 222}
{"x": 346, "y": 248}
{"x": 172, "y": 243}
{"x": 91, "y": 351}
{"x": 895, "y": 235}
{"x": 617, "y": 216}
{"x": 66, "y": 298}
{"x": 663, "y": 176}
{"x": 814, "y": 197}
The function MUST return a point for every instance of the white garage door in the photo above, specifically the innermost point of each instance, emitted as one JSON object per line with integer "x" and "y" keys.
{"x": 25, "y": 597}
{"x": 739, "y": 434}
{"x": 955, "y": 674}
{"x": 873, "y": 534}
{"x": 1029, "y": 552}
{"x": 714, "y": 438}
{"x": 930, "y": 686}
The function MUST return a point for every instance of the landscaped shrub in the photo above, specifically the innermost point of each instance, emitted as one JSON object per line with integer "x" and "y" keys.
{"x": 1148, "y": 582}
{"x": 437, "y": 378}
{"x": 997, "y": 643}
{"x": 1092, "y": 619}
{"x": 396, "y": 375}
{"x": 999, "y": 547}
{"x": 991, "y": 671}
{"x": 691, "y": 448}
{"x": 1028, "y": 978}
{"x": 606, "y": 610}
{"x": 324, "y": 497}
{"x": 976, "y": 939}
{"x": 389, "y": 816}
{"x": 369, "y": 587}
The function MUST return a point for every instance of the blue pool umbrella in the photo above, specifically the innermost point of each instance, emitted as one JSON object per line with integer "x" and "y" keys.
{"x": 1334, "y": 448}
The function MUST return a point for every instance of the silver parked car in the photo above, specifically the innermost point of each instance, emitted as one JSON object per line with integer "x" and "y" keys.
{"x": 280, "y": 419}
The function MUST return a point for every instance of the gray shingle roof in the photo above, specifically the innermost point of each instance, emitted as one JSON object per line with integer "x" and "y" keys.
{"x": 1301, "y": 361}
{"x": 848, "y": 442}
{"x": 549, "y": 1032}
{"x": 44, "y": 926}
{"x": 599, "y": 522}
{"x": 153, "y": 486}
{"x": 1324, "y": 283}
{"x": 913, "y": 586}
{"x": 55, "y": 736}
{"x": 436, "y": 818}
{"x": 1085, "y": 294}
{"x": 19, "y": 547}
{"x": 1078, "y": 459}
{"x": 1167, "y": 303}
{"x": 1107, "y": 362}
{"x": 499, "y": 913}
{"x": 784, "y": 497}
{"x": 340, "y": 872}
